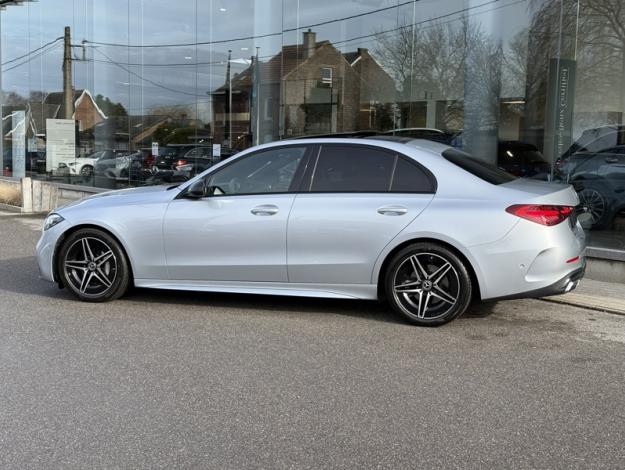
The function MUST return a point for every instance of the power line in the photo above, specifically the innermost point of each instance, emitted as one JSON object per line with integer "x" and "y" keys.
{"x": 32, "y": 52}
{"x": 31, "y": 58}
{"x": 147, "y": 79}
{"x": 335, "y": 43}
{"x": 411, "y": 25}
{"x": 261, "y": 36}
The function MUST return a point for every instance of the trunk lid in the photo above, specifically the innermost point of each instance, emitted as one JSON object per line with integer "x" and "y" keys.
{"x": 542, "y": 192}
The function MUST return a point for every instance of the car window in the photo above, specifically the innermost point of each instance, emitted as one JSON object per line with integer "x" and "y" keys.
{"x": 485, "y": 171}
{"x": 344, "y": 168}
{"x": 268, "y": 171}
{"x": 409, "y": 178}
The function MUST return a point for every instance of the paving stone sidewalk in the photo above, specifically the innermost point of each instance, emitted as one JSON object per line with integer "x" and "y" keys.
{"x": 596, "y": 295}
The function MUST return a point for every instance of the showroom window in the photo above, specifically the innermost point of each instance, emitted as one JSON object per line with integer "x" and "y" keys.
{"x": 143, "y": 80}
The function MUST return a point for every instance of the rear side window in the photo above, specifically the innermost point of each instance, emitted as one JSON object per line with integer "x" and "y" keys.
{"x": 343, "y": 168}
{"x": 485, "y": 171}
{"x": 409, "y": 178}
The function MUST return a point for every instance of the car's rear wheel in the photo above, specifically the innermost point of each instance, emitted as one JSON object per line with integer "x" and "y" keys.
{"x": 428, "y": 284}
{"x": 596, "y": 204}
{"x": 93, "y": 266}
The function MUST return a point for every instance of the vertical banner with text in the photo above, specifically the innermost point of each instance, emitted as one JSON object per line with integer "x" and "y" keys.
{"x": 560, "y": 101}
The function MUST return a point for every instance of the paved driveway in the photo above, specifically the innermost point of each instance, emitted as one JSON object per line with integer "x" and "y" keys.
{"x": 169, "y": 379}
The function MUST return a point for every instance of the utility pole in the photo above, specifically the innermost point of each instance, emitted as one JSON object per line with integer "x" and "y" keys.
{"x": 68, "y": 92}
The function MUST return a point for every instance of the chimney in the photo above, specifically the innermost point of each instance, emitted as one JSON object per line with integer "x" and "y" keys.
{"x": 362, "y": 51}
{"x": 310, "y": 41}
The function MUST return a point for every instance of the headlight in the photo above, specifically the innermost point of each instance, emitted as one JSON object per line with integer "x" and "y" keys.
{"x": 51, "y": 221}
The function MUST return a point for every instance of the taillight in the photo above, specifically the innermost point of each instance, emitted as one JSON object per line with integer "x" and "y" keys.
{"x": 541, "y": 214}
{"x": 180, "y": 162}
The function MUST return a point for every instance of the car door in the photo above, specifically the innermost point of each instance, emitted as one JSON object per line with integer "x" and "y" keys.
{"x": 611, "y": 167}
{"x": 237, "y": 232}
{"x": 359, "y": 198}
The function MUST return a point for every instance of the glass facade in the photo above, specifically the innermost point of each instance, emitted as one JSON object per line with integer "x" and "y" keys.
{"x": 124, "y": 93}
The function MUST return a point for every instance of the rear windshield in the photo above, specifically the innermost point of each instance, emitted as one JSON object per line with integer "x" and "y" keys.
{"x": 485, "y": 171}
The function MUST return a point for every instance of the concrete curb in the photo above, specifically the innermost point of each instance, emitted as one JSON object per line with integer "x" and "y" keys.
{"x": 588, "y": 306}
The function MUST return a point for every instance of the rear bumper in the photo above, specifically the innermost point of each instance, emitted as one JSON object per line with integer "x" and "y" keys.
{"x": 562, "y": 286}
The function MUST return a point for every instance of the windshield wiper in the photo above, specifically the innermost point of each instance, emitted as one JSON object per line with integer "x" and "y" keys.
{"x": 172, "y": 187}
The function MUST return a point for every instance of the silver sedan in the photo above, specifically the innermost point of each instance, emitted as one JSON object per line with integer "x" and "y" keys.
{"x": 422, "y": 225}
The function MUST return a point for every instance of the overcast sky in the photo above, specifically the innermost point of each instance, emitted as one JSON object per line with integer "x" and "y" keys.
{"x": 154, "y": 22}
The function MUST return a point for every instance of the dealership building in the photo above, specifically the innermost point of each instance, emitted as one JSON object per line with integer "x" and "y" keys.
{"x": 117, "y": 93}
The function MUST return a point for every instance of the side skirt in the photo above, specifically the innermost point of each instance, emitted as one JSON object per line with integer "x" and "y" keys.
{"x": 330, "y": 291}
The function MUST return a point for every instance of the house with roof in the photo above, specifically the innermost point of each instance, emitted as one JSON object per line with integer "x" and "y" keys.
{"x": 307, "y": 88}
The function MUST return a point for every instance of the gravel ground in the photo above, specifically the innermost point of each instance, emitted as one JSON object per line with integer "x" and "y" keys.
{"x": 170, "y": 379}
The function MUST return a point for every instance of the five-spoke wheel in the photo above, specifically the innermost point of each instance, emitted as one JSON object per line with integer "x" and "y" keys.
{"x": 428, "y": 284}
{"x": 93, "y": 266}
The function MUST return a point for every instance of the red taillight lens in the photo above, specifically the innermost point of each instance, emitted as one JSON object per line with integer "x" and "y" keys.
{"x": 541, "y": 214}
{"x": 180, "y": 162}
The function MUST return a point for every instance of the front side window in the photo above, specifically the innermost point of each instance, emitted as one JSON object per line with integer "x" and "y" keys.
{"x": 269, "y": 171}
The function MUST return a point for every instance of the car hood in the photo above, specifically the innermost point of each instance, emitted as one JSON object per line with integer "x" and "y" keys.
{"x": 142, "y": 195}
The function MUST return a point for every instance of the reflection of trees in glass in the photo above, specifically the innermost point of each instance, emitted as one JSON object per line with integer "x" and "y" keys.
{"x": 434, "y": 61}
{"x": 109, "y": 108}
{"x": 593, "y": 33}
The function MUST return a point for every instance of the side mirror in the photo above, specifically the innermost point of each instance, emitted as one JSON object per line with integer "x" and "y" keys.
{"x": 196, "y": 190}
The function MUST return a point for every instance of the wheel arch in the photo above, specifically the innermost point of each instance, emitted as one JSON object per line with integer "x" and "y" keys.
{"x": 381, "y": 272}
{"x": 75, "y": 228}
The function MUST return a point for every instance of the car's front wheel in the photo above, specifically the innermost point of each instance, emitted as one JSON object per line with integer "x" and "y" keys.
{"x": 428, "y": 284}
{"x": 86, "y": 171}
{"x": 93, "y": 266}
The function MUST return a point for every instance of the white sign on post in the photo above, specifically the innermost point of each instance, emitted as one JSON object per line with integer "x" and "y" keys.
{"x": 216, "y": 150}
{"x": 60, "y": 142}
{"x": 18, "y": 138}
{"x": 155, "y": 149}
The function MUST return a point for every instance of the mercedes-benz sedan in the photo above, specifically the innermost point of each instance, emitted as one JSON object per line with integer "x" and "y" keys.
{"x": 418, "y": 223}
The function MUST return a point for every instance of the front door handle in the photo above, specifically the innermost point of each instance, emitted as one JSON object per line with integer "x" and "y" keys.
{"x": 265, "y": 209}
{"x": 392, "y": 210}
{"x": 611, "y": 160}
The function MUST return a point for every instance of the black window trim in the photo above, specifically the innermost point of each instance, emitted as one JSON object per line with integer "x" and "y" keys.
{"x": 294, "y": 187}
{"x": 310, "y": 175}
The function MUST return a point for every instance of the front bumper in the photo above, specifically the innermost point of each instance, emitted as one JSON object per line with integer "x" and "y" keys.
{"x": 45, "y": 249}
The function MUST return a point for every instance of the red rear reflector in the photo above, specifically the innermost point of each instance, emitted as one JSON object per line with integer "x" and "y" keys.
{"x": 541, "y": 214}
{"x": 572, "y": 260}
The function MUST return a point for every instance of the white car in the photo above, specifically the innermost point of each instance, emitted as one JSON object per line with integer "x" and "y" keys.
{"x": 84, "y": 166}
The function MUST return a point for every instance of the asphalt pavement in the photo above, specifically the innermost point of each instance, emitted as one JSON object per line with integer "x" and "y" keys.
{"x": 191, "y": 380}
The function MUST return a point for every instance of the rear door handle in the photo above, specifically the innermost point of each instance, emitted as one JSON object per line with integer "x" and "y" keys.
{"x": 611, "y": 160}
{"x": 392, "y": 210}
{"x": 265, "y": 209}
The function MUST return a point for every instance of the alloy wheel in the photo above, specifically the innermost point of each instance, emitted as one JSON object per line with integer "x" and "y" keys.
{"x": 426, "y": 286}
{"x": 594, "y": 201}
{"x": 90, "y": 267}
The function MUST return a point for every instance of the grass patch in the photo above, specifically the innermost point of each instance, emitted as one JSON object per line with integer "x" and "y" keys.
{"x": 10, "y": 194}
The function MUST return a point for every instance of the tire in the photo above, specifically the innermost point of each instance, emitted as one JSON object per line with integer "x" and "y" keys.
{"x": 86, "y": 171}
{"x": 93, "y": 266}
{"x": 432, "y": 273}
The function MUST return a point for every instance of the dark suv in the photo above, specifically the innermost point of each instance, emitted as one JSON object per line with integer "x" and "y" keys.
{"x": 598, "y": 175}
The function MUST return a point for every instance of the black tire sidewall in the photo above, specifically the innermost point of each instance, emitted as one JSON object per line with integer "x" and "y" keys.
{"x": 463, "y": 275}
{"x": 120, "y": 285}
